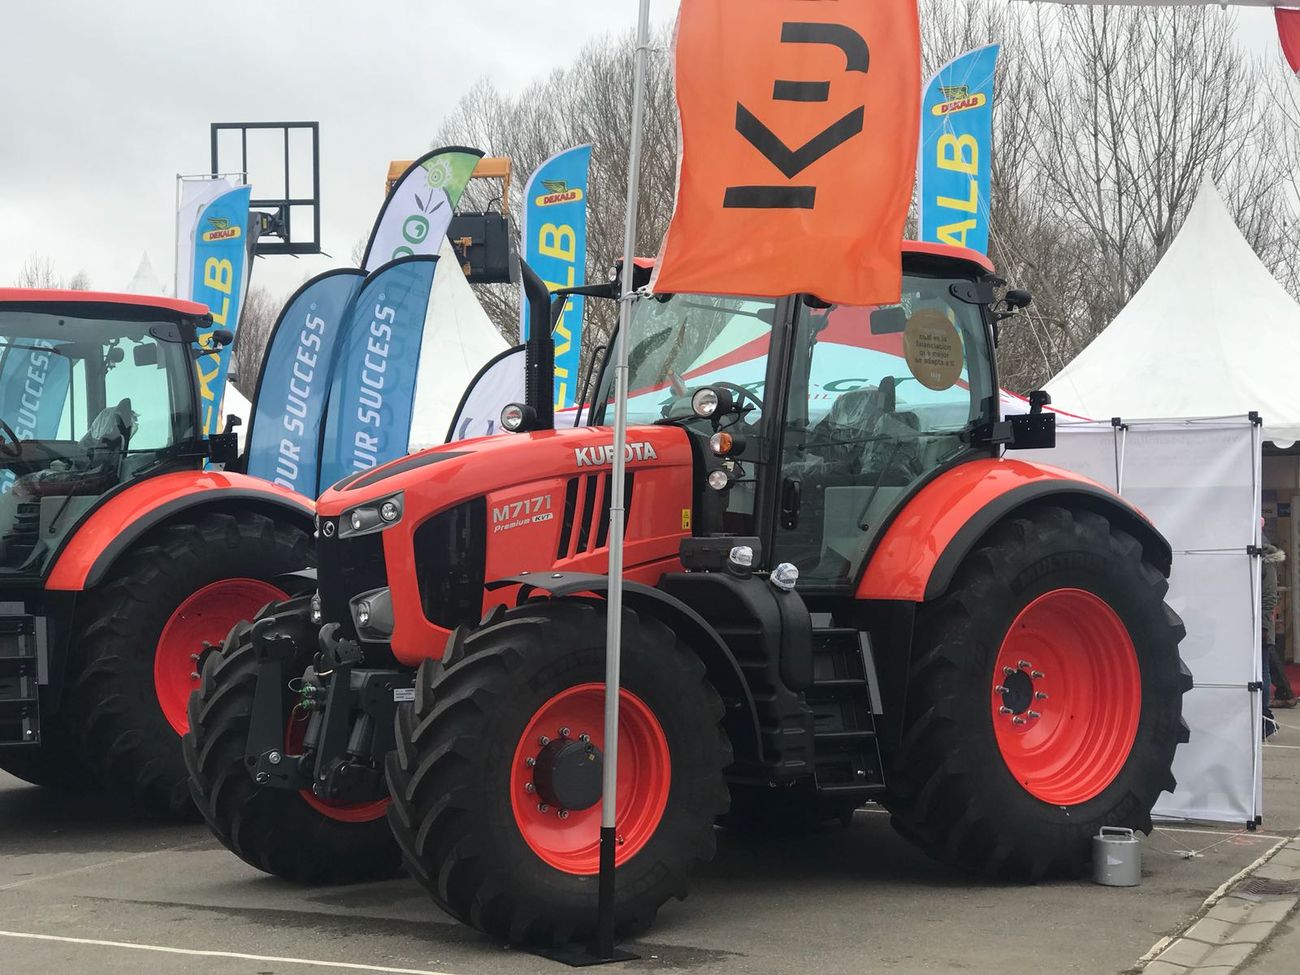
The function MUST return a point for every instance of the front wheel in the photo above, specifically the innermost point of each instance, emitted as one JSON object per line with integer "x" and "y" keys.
{"x": 1044, "y": 701}
{"x": 496, "y": 781}
{"x": 293, "y": 835}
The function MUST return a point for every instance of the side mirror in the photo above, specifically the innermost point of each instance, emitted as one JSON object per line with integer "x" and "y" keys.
{"x": 145, "y": 354}
{"x": 222, "y": 337}
{"x": 1017, "y": 299}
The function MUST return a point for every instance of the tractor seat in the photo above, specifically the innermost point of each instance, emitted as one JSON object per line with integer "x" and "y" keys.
{"x": 104, "y": 443}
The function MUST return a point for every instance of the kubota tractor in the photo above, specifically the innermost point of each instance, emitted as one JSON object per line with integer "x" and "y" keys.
{"x": 978, "y": 643}
{"x": 122, "y": 560}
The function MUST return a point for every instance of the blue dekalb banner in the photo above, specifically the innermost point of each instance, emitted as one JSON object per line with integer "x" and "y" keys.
{"x": 368, "y": 419}
{"x": 956, "y": 149}
{"x": 220, "y": 256}
{"x": 284, "y": 432}
{"x": 555, "y": 246}
{"x": 33, "y": 390}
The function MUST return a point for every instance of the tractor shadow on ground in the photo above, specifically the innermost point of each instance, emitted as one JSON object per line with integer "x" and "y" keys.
{"x": 868, "y": 851}
{"x": 43, "y": 820}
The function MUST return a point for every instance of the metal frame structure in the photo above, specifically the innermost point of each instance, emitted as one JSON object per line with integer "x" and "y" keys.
{"x": 282, "y": 219}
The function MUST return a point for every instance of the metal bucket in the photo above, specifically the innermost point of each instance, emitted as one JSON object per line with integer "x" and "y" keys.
{"x": 1116, "y": 857}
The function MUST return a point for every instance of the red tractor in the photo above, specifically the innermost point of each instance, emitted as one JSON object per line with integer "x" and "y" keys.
{"x": 979, "y": 644}
{"x": 122, "y": 559}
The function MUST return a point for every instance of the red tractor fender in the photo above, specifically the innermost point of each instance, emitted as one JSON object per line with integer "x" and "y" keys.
{"x": 939, "y": 526}
{"x": 125, "y": 514}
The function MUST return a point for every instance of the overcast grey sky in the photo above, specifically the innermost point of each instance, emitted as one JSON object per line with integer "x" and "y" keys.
{"x": 103, "y": 103}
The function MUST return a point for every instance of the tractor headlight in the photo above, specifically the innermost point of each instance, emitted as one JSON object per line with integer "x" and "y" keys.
{"x": 372, "y": 614}
{"x": 711, "y": 402}
{"x": 374, "y": 516}
{"x": 705, "y": 402}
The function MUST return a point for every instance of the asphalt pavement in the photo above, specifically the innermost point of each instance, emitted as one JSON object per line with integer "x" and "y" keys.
{"x": 87, "y": 887}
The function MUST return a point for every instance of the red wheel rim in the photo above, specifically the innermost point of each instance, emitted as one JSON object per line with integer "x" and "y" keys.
{"x": 572, "y": 843}
{"x": 204, "y": 618}
{"x": 343, "y": 812}
{"x": 1067, "y": 695}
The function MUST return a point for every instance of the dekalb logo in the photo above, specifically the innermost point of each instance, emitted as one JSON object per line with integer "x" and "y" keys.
{"x": 557, "y": 192}
{"x": 959, "y": 99}
{"x": 222, "y": 229}
{"x": 604, "y": 456}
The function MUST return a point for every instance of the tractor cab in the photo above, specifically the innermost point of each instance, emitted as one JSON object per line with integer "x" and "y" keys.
{"x": 816, "y": 420}
{"x": 95, "y": 392}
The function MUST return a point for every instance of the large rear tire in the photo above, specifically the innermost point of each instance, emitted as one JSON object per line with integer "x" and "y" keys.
{"x": 289, "y": 834}
{"x": 141, "y": 634}
{"x": 1044, "y": 700}
{"x": 481, "y": 828}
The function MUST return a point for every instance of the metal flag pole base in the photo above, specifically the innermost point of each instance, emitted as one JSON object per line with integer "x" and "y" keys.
{"x": 602, "y": 951}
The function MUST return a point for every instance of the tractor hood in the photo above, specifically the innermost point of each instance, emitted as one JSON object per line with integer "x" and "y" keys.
{"x": 464, "y": 514}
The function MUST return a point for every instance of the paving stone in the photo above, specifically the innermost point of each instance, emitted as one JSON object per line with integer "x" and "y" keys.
{"x": 1217, "y": 932}
{"x": 1160, "y": 967}
{"x": 1228, "y": 956}
{"x": 1184, "y": 952}
{"x": 1273, "y": 870}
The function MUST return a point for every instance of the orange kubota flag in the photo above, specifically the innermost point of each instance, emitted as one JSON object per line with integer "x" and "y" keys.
{"x": 799, "y": 124}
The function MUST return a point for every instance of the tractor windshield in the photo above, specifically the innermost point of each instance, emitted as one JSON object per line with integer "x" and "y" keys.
{"x": 85, "y": 404}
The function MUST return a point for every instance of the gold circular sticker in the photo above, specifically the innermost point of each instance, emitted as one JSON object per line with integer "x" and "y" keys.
{"x": 932, "y": 345}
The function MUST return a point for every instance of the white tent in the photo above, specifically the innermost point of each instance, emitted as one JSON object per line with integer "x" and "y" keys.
{"x": 1210, "y": 333}
{"x": 146, "y": 280}
{"x": 459, "y": 339}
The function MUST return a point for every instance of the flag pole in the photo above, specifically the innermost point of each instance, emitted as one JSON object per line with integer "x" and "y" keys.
{"x": 614, "y": 616}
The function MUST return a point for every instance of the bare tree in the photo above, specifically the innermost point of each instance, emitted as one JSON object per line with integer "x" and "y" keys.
{"x": 1105, "y": 123}
{"x": 589, "y": 102}
{"x": 256, "y": 321}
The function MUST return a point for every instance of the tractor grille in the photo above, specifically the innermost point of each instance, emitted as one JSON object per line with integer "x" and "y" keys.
{"x": 347, "y": 567}
{"x": 585, "y": 525}
{"x": 451, "y": 563}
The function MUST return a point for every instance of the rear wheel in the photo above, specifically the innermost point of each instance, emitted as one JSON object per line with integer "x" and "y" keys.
{"x": 293, "y": 835}
{"x": 143, "y": 633}
{"x": 1044, "y": 700}
{"x": 496, "y": 777}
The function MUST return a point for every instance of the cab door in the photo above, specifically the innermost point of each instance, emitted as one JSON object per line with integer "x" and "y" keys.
{"x": 880, "y": 400}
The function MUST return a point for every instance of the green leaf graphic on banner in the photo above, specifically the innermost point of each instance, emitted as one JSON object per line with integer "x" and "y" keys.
{"x": 450, "y": 172}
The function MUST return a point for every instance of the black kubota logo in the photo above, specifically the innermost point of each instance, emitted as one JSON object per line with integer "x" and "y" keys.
{"x": 792, "y": 162}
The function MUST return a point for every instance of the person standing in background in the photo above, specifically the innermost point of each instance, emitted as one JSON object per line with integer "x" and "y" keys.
{"x": 1274, "y": 670}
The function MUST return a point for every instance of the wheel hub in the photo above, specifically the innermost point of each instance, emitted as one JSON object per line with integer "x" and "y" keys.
{"x": 1020, "y": 692}
{"x": 567, "y": 773}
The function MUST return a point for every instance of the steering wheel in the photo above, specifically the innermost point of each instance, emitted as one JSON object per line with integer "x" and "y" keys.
{"x": 741, "y": 394}
{"x": 14, "y": 446}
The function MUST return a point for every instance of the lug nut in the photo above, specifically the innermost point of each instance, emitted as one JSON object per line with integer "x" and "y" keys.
{"x": 543, "y": 807}
{"x": 1040, "y": 695}
{"x": 274, "y": 757}
{"x": 563, "y": 814}
{"x": 1000, "y": 689}
{"x": 1018, "y": 719}
{"x": 1024, "y": 665}
{"x": 1034, "y": 714}
{"x": 543, "y": 741}
{"x": 1035, "y": 674}
{"x": 195, "y": 657}
{"x": 530, "y": 761}
{"x": 529, "y": 788}
{"x": 564, "y": 732}
{"x": 1008, "y": 670}
{"x": 1004, "y": 710}
{"x": 585, "y": 738}
{"x": 194, "y": 675}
